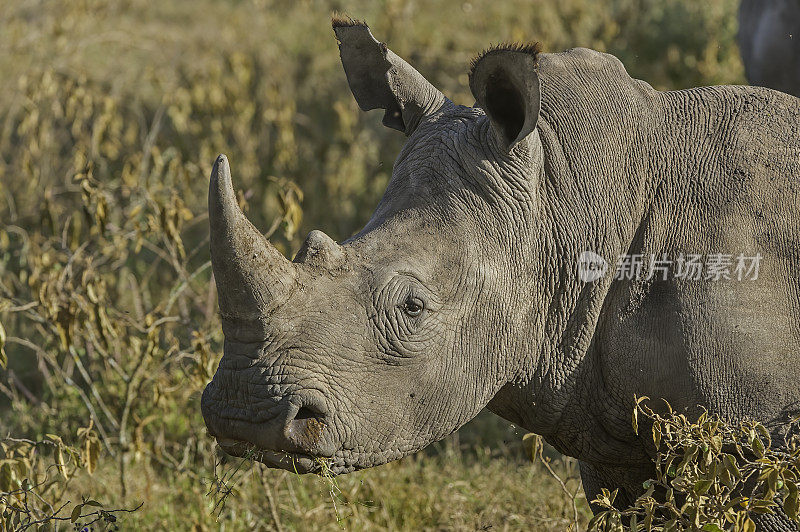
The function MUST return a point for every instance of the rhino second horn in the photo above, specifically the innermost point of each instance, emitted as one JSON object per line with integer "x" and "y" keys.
{"x": 251, "y": 275}
{"x": 320, "y": 250}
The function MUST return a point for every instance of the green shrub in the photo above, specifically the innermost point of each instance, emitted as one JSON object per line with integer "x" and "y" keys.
{"x": 709, "y": 475}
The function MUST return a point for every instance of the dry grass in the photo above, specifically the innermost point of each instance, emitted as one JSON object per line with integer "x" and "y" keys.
{"x": 478, "y": 484}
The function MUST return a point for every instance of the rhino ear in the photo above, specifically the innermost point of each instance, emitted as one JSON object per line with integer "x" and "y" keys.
{"x": 505, "y": 84}
{"x": 379, "y": 79}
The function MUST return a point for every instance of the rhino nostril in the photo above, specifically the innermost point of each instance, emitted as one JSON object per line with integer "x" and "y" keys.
{"x": 305, "y": 430}
{"x": 309, "y": 412}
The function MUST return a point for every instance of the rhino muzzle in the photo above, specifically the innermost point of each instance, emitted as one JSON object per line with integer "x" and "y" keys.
{"x": 291, "y": 432}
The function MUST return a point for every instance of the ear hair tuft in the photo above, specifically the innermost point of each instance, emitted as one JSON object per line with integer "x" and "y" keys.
{"x": 339, "y": 20}
{"x": 534, "y": 49}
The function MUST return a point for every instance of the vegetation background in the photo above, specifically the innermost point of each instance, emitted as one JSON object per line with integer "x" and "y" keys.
{"x": 111, "y": 113}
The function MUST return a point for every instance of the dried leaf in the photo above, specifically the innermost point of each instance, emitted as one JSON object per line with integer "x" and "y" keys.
{"x": 702, "y": 486}
{"x": 92, "y": 452}
{"x": 6, "y": 476}
{"x": 3, "y": 357}
{"x": 76, "y": 513}
{"x": 60, "y": 464}
{"x": 531, "y": 443}
{"x": 791, "y": 505}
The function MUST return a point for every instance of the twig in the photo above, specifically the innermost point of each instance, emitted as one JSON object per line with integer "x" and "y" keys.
{"x": 572, "y": 496}
{"x": 19, "y": 385}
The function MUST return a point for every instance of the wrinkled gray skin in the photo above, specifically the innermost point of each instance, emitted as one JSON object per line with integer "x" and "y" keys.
{"x": 462, "y": 290}
{"x": 769, "y": 41}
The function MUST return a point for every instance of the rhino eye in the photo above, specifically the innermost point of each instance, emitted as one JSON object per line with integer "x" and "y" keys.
{"x": 413, "y": 307}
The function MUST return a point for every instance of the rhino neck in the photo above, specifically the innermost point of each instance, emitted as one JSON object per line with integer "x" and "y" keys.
{"x": 598, "y": 184}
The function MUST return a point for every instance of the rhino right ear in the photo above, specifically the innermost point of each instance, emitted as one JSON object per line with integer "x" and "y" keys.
{"x": 379, "y": 79}
{"x": 505, "y": 84}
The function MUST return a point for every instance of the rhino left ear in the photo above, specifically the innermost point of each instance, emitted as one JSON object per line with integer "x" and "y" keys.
{"x": 505, "y": 84}
{"x": 379, "y": 79}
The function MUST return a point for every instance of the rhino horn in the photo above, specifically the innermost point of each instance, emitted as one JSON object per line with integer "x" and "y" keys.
{"x": 251, "y": 275}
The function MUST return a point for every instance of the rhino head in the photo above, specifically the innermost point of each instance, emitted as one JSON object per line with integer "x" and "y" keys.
{"x": 362, "y": 352}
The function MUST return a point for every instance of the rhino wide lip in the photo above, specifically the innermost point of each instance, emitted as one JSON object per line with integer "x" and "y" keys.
{"x": 290, "y": 461}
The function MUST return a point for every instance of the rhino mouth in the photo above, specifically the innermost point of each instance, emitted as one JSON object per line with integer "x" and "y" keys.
{"x": 294, "y": 462}
{"x": 291, "y": 461}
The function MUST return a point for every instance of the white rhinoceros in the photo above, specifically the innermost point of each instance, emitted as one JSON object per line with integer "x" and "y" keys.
{"x": 469, "y": 287}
